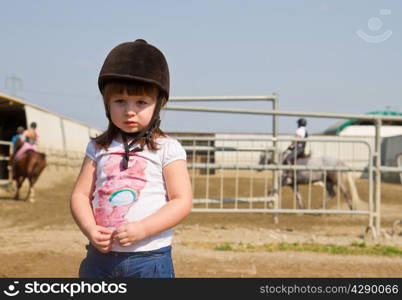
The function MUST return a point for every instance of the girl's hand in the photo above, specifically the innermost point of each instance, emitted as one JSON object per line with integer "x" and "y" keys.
{"x": 101, "y": 238}
{"x": 130, "y": 233}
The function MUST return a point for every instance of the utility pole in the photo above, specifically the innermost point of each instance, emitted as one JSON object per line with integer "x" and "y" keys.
{"x": 13, "y": 83}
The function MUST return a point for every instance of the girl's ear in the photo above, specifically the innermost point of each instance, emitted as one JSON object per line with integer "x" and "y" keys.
{"x": 162, "y": 99}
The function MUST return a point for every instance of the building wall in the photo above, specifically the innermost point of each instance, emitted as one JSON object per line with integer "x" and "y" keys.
{"x": 351, "y": 152}
{"x": 391, "y": 149}
{"x": 57, "y": 133}
{"x": 49, "y": 129}
{"x": 76, "y": 135}
{"x": 369, "y": 131}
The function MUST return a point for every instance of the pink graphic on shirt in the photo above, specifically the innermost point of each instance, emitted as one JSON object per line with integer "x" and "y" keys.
{"x": 121, "y": 189}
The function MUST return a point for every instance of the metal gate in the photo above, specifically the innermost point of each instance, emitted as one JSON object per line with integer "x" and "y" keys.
{"x": 5, "y": 171}
{"x": 375, "y": 161}
{"x": 229, "y": 175}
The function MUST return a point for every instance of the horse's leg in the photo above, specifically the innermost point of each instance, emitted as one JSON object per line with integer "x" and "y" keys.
{"x": 329, "y": 185}
{"x": 299, "y": 198}
{"x": 19, "y": 180}
{"x": 17, "y": 190}
{"x": 29, "y": 196}
{"x": 35, "y": 168}
{"x": 38, "y": 166}
{"x": 272, "y": 204}
{"x": 32, "y": 181}
{"x": 29, "y": 193}
{"x": 346, "y": 195}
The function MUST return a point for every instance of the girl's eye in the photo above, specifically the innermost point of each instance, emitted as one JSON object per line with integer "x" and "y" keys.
{"x": 141, "y": 102}
{"x": 119, "y": 101}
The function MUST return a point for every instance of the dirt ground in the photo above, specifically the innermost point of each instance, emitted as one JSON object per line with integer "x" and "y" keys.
{"x": 41, "y": 240}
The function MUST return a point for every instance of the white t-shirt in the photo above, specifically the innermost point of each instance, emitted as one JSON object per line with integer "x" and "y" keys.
{"x": 131, "y": 195}
{"x": 301, "y": 131}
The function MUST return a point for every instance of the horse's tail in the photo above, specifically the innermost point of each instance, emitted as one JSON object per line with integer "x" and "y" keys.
{"x": 353, "y": 190}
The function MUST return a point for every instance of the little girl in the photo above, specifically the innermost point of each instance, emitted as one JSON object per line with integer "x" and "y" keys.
{"x": 133, "y": 186}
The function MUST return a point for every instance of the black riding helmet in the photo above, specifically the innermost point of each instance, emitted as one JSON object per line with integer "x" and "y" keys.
{"x": 301, "y": 122}
{"x": 137, "y": 61}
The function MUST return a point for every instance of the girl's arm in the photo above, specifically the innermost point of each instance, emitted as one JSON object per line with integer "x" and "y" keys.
{"x": 179, "y": 191}
{"x": 81, "y": 208}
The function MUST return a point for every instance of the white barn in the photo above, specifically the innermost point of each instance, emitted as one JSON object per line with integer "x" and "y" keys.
{"x": 61, "y": 138}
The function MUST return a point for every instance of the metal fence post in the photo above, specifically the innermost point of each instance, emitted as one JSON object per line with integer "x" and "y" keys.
{"x": 377, "y": 176}
{"x": 275, "y": 129}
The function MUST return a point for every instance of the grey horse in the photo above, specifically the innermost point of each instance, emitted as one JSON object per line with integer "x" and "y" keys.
{"x": 329, "y": 178}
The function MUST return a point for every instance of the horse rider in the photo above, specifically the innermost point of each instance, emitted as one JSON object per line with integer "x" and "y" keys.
{"x": 18, "y": 136}
{"x": 17, "y": 141}
{"x": 297, "y": 148}
{"x": 30, "y": 141}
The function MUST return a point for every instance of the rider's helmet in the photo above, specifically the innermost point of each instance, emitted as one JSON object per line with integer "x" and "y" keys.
{"x": 137, "y": 61}
{"x": 301, "y": 122}
{"x": 20, "y": 129}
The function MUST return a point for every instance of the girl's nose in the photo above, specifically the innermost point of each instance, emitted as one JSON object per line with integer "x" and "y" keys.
{"x": 130, "y": 110}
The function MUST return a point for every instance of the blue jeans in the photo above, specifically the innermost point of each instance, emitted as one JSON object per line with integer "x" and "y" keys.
{"x": 145, "y": 264}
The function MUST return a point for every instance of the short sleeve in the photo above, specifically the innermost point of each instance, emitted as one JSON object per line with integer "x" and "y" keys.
{"x": 90, "y": 151}
{"x": 172, "y": 151}
{"x": 301, "y": 131}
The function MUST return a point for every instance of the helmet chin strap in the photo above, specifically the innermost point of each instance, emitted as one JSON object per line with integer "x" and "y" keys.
{"x": 147, "y": 133}
{"x": 137, "y": 136}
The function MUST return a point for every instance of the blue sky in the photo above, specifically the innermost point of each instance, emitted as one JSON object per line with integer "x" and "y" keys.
{"x": 306, "y": 51}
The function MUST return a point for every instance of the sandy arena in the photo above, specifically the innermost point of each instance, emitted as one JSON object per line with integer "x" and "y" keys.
{"x": 41, "y": 240}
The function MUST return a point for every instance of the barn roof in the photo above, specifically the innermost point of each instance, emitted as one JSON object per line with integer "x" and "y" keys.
{"x": 336, "y": 128}
{"x": 9, "y": 101}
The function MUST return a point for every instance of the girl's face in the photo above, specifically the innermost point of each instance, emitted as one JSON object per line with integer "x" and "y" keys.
{"x": 131, "y": 113}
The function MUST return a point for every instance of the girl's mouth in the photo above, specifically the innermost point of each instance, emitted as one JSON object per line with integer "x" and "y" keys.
{"x": 130, "y": 123}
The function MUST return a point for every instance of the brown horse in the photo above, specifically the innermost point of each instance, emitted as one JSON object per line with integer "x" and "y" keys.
{"x": 30, "y": 165}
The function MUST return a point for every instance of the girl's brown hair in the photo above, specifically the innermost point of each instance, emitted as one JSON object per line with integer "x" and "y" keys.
{"x": 132, "y": 88}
